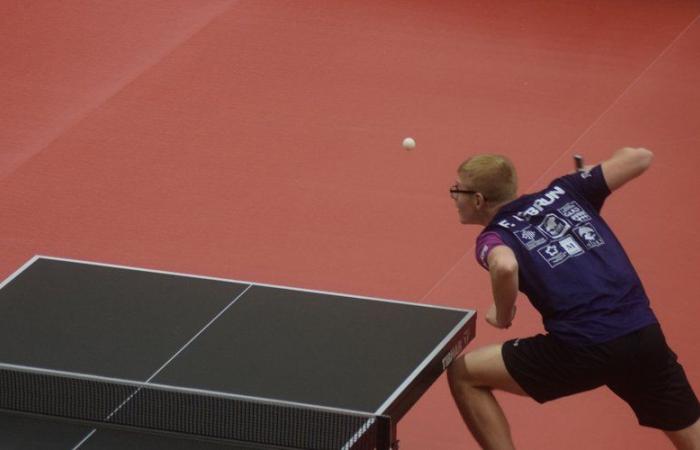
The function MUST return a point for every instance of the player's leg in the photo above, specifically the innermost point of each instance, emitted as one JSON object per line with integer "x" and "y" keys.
{"x": 472, "y": 378}
{"x": 687, "y": 438}
{"x": 541, "y": 367}
{"x": 657, "y": 389}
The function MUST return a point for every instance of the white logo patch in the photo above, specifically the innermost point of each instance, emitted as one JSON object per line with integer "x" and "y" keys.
{"x": 589, "y": 235}
{"x": 573, "y": 211}
{"x": 559, "y": 251}
{"x": 553, "y": 254}
{"x": 554, "y": 226}
{"x": 570, "y": 246}
{"x": 530, "y": 237}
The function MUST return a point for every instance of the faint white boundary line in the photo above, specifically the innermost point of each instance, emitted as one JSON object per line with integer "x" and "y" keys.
{"x": 617, "y": 100}
{"x": 447, "y": 274}
{"x": 571, "y": 147}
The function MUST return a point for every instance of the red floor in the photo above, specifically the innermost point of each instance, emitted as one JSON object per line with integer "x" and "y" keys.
{"x": 261, "y": 140}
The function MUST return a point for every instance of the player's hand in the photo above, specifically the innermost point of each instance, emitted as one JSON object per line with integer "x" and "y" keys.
{"x": 492, "y": 318}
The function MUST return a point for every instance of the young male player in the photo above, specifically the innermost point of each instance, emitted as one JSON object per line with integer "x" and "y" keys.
{"x": 554, "y": 247}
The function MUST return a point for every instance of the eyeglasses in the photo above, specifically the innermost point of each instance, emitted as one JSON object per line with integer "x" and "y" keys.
{"x": 454, "y": 190}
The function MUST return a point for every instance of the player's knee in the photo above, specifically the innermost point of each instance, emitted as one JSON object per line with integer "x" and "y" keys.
{"x": 458, "y": 373}
{"x": 454, "y": 377}
{"x": 481, "y": 368}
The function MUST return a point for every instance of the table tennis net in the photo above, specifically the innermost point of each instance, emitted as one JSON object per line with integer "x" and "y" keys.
{"x": 195, "y": 413}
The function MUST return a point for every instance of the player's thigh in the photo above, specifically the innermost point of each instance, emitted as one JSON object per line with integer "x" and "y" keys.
{"x": 484, "y": 367}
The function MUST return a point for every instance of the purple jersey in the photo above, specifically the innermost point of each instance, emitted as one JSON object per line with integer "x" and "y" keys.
{"x": 571, "y": 265}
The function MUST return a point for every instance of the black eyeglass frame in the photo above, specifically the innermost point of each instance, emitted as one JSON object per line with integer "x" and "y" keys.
{"x": 454, "y": 189}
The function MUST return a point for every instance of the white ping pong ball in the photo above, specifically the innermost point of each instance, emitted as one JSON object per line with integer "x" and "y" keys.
{"x": 409, "y": 143}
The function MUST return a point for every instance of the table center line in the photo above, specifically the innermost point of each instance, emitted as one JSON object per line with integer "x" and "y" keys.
{"x": 160, "y": 369}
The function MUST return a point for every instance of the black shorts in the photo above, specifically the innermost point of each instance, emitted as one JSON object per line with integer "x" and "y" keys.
{"x": 639, "y": 367}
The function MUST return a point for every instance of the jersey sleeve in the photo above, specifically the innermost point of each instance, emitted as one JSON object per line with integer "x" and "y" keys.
{"x": 486, "y": 242}
{"x": 590, "y": 185}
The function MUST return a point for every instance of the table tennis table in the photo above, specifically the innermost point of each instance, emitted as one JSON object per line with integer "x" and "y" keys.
{"x": 72, "y": 330}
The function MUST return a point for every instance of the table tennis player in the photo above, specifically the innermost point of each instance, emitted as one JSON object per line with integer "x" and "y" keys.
{"x": 554, "y": 246}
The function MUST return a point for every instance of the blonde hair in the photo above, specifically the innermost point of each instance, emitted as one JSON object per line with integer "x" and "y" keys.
{"x": 492, "y": 175}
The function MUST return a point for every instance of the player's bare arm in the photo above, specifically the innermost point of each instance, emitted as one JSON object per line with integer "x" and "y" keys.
{"x": 503, "y": 268}
{"x": 625, "y": 165}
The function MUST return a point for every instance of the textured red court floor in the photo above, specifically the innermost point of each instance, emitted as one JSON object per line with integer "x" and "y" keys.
{"x": 261, "y": 140}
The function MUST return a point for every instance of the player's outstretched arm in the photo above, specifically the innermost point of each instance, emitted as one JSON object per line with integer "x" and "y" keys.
{"x": 503, "y": 268}
{"x": 624, "y": 165}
